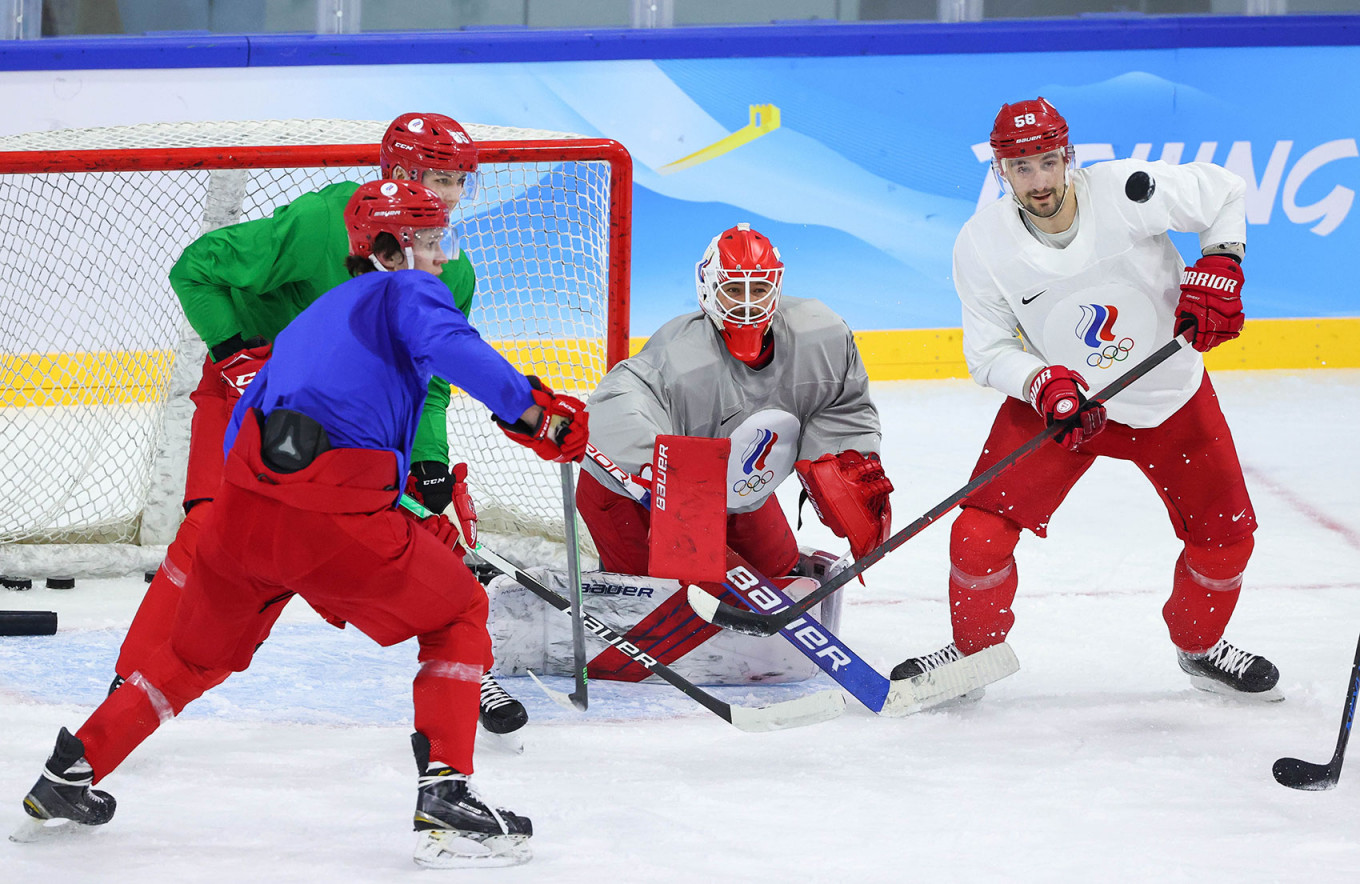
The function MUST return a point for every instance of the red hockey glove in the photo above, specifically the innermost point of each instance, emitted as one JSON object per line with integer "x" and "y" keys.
{"x": 1211, "y": 298}
{"x": 431, "y": 485}
{"x": 1056, "y": 394}
{"x": 562, "y": 430}
{"x": 238, "y": 367}
{"x": 463, "y": 508}
{"x": 850, "y": 492}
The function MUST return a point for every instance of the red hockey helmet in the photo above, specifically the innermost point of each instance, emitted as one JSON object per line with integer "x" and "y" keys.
{"x": 739, "y": 280}
{"x": 401, "y": 208}
{"x": 1028, "y": 128}
{"x": 421, "y": 143}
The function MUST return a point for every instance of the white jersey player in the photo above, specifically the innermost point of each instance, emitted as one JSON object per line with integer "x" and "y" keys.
{"x": 780, "y": 377}
{"x": 1065, "y": 285}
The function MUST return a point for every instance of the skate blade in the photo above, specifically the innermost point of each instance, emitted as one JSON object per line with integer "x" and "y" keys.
{"x": 952, "y": 684}
{"x": 31, "y": 830}
{"x": 1210, "y": 686}
{"x": 510, "y": 744}
{"x": 437, "y": 849}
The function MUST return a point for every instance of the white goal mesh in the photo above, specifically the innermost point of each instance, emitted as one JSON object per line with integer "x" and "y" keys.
{"x": 96, "y": 359}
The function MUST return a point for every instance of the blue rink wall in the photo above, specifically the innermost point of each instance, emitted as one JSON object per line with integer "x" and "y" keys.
{"x": 859, "y": 149}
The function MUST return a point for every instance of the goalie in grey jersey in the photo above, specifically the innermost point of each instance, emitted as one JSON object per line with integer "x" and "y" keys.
{"x": 782, "y": 379}
{"x": 1068, "y": 282}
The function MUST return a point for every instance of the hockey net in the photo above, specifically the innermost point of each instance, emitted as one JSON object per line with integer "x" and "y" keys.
{"x": 97, "y": 361}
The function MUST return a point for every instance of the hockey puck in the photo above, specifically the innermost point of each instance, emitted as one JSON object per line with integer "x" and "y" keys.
{"x": 61, "y": 583}
{"x": 1140, "y": 187}
{"x": 148, "y": 576}
{"x": 28, "y": 622}
{"x": 16, "y": 582}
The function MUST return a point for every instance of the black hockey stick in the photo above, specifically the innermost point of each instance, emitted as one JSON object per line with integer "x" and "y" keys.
{"x": 579, "y": 698}
{"x": 753, "y": 623}
{"x": 1312, "y": 777}
{"x": 811, "y": 709}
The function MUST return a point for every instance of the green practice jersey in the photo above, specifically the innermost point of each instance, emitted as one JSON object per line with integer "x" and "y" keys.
{"x": 252, "y": 279}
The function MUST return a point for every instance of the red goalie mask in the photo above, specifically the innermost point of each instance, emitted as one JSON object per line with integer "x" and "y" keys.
{"x": 739, "y": 280}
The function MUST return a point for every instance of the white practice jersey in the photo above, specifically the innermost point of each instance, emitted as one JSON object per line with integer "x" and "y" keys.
{"x": 811, "y": 399}
{"x": 1107, "y": 300}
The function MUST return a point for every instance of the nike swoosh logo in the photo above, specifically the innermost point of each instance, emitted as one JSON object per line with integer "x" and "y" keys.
{"x": 729, "y": 417}
{"x": 1031, "y": 297}
{"x": 1239, "y": 515}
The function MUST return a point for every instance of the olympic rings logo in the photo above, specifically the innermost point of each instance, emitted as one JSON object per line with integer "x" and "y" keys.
{"x": 1110, "y": 354}
{"x": 752, "y": 484}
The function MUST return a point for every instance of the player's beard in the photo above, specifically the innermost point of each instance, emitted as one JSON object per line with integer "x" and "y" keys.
{"x": 1058, "y": 196}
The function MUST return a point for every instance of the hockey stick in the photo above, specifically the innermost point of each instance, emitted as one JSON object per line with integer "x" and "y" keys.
{"x": 579, "y": 697}
{"x": 1312, "y": 777}
{"x": 814, "y": 708}
{"x": 766, "y": 624}
{"x": 811, "y": 638}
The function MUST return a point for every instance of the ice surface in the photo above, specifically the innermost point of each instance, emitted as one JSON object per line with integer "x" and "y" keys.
{"x": 1097, "y": 761}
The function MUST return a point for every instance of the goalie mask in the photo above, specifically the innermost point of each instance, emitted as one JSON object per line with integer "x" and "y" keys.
{"x": 739, "y": 281}
{"x": 1023, "y": 136}
{"x": 412, "y": 213}
{"x": 421, "y": 143}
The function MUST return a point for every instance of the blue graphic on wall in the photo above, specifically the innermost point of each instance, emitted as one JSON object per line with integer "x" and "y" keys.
{"x": 876, "y": 162}
{"x": 860, "y": 169}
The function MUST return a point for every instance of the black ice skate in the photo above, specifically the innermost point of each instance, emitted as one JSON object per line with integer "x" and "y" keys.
{"x": 456, "y": 828}
{"x": 1224, "y": 669}
{"x": 947, "y": 675}
{"x": 502, "y": 715}
{"x": 62, "y": 800}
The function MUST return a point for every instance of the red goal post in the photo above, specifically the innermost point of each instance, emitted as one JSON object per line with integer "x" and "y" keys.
{"x": 96, "y": 360}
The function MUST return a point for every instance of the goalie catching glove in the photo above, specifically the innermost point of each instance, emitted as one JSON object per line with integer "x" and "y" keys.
{"x": 1055, "y": 392}
{"x": 1211, "y": 298}
{"x": 850, "y": 492}
{"x": 238, "y": 361}
{"x": 460, "y": 532}
{"x": 561, "y": 431}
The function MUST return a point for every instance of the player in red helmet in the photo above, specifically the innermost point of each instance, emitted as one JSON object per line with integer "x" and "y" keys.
{"x": 240, "y": 286}
{"x": 316, "y": 448}
{"x": 434, "y": 150}
{"x": 1065, "y": 286}
{"x": 779, "y": 377}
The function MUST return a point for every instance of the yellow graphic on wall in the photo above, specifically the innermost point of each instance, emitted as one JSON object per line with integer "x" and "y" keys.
{"x": 764, "y": 120}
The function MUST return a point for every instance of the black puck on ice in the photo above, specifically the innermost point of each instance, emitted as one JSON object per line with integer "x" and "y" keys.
{"x": 28, "y": 622}
{"x": 61, "y": 583}
{"x": 15, "y": 582}
{"x": 148, "y": 576}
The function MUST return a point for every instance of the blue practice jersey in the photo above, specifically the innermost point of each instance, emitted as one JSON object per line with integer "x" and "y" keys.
{"x": 360, "y": 358}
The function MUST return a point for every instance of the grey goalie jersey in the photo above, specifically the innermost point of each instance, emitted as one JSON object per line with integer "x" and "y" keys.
{"x": 811, "y": 399}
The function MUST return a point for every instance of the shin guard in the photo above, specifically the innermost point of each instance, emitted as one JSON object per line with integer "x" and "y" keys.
{"x": 982, "y": 578}
{"x": 1201, "y": 605}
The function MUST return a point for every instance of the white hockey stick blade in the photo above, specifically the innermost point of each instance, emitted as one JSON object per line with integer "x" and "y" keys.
{"x": 558, "y": 697}
{"x": 907, "y": 696}
{"x": 438, "y": 849}
{"x": 703, "y": 603}
{"x": 812, "y": 709}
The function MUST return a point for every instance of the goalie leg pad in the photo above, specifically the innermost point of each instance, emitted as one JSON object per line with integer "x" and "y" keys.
{"x": 688, "y": 537}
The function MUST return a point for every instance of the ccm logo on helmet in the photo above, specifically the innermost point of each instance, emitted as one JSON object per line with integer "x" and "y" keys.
{"x": 1208, "y": 280}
